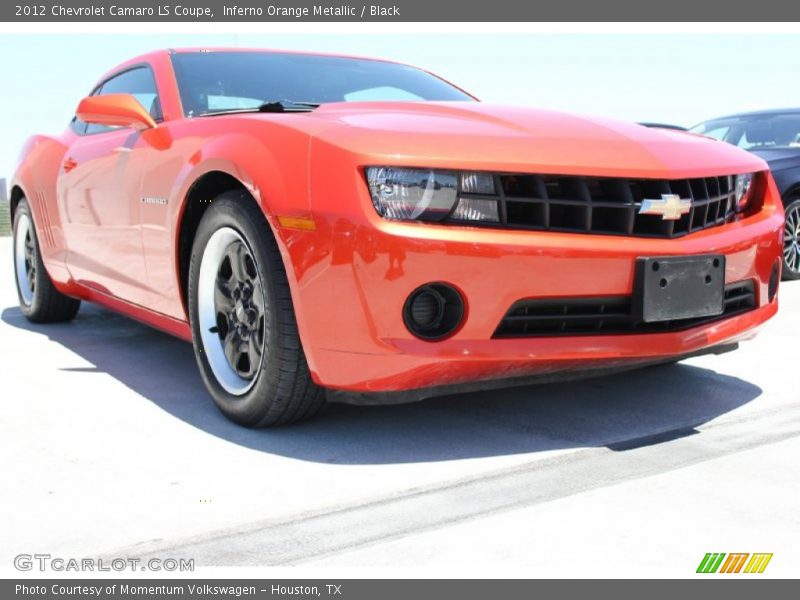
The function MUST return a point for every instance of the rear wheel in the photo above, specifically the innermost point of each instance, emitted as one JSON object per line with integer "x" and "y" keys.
{"x": 39, "y": 300}
{"x": 791, "y": 239}
{"x": 243, "y": 324}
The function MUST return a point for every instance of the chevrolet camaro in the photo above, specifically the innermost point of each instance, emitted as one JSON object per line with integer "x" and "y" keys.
{"x": 329, "y": 228}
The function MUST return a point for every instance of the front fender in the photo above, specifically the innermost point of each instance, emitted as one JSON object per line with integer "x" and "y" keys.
{"x": 277, "y": 181}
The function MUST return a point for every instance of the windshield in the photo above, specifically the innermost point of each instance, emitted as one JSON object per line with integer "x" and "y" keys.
{"x": 213, "y": 82}
{"x": 755, "y": 132}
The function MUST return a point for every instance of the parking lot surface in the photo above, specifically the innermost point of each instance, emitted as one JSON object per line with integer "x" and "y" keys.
{"x": 111, "y": 447}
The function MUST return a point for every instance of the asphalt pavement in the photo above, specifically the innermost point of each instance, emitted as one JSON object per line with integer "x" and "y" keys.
{"x": 110, "y": 447}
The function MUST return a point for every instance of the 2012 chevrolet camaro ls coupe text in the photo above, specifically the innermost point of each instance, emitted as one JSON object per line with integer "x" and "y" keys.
{"x": 326, "y": 227}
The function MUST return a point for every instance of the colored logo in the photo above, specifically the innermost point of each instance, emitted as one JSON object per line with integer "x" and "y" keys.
{"x": 739, "y": 562}
{"x": 671, "y": 207}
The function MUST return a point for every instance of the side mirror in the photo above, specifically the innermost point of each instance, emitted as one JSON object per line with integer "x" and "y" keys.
{"x": 115, "y": 110}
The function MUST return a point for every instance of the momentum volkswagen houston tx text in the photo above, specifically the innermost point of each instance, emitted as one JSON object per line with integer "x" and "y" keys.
{"x": 345, "y": 229}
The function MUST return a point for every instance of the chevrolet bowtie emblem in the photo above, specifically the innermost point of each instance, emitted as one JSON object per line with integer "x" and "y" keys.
{"x": 671, "y": 207}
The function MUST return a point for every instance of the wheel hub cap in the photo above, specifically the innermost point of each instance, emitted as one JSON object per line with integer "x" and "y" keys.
{"x": 240, "y": 314}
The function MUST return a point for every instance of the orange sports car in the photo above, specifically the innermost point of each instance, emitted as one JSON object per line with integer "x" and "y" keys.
{"x": 355, "y": 230}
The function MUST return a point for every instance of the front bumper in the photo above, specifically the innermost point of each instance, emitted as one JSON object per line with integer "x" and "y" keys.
{"x": 353, "y": 274}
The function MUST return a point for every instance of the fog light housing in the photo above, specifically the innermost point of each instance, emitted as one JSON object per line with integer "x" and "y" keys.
{"x": 433, "y": 311}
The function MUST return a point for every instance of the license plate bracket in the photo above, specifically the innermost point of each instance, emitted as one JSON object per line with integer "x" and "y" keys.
{"x": 667, "y": 288}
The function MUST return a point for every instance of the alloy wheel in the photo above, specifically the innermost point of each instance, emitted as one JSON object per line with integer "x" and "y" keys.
{"x": 231, "y": 311}
{"x": 25, "y": 258}
{"x": 791, "y": 239}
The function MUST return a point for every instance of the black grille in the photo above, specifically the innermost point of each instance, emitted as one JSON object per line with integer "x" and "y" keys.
{"x": 605, "y": 205}
{"x": 609, "y": 315}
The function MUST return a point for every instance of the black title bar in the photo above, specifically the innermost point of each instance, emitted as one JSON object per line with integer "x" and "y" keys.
{"x": 397, "y": 11}
{"x": 392, "y": 589}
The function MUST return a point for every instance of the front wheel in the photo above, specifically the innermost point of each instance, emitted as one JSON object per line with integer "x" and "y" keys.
{"x": 791, "y": 240}
{"x": 243, "y": 324}
{"x": 39, "y": 300}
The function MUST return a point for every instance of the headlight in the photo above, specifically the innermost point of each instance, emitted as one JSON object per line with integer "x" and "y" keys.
{"x": 744, "y": 190}
{"x": 410, "y": 194}
{"x": 432, "y": 195}
{"x": 476, "y": 209}
{"x": 477, "y": 183}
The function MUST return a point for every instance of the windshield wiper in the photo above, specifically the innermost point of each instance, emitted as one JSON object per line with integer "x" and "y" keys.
{"x": 270, "y": 106}
{"x": 287, "y": 106}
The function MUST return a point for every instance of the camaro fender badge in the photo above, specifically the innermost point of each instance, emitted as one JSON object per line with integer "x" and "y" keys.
{"x": 153, "y": 200}
{"x": 671, "y": 207}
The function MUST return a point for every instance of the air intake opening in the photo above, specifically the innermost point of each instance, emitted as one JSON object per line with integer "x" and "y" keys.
{"x": 433, "y": 311}
{"x": 607, "y": 315}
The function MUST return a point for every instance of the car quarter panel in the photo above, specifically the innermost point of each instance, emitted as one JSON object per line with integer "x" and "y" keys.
{"x": 40, "y": 161}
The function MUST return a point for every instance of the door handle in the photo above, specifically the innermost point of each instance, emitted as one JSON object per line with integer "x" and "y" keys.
{"x": 69, "y": 164}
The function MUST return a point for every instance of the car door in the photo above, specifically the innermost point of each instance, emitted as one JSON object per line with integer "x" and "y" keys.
{"x": 100, "y": 200}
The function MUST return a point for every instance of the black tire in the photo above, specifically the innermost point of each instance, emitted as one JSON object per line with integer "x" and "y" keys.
{"x": 281, "y": 390}
{"x": 791, "y": 257}
{"x": 39, "y": 301}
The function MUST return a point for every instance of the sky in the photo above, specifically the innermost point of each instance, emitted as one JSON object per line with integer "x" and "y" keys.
{"x": 672, "y": 78}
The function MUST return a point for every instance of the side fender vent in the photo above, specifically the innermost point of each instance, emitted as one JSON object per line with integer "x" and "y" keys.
{"x": 45, "y": 227}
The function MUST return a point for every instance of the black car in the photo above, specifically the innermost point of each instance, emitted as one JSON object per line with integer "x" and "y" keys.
{"x": 774, "y": 135}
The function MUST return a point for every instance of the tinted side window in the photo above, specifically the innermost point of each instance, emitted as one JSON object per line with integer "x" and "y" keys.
{"x": 78, "y": 126}
{"x": 139, "y": 83}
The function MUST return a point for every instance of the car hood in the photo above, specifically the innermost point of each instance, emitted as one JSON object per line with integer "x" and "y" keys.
{"x": 476, "y": 135}
{"x": 780, "y": 158}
